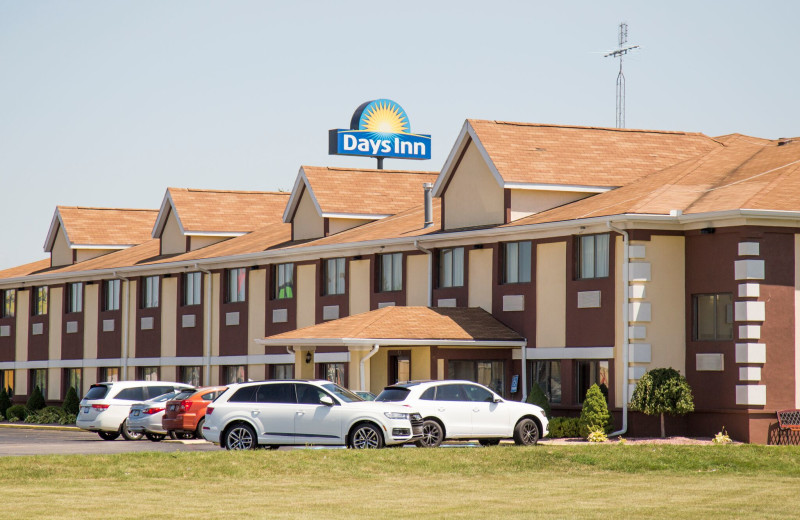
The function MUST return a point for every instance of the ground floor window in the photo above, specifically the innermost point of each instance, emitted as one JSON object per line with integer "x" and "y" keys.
{"x": 109, "y": 374}
{"x": 333, "y": 372}
{"x": 189, "y": 375}
{"x": 235, "y": 374}
{"x": 547, "y": 374}
{"x": 7, "y": 380}
{"x": 72, "y": 379}
{"x": 587, "y": 373}
{"x": 147, "y": 373}
{"x": 283, "y": 371}
{"x": 39, "y": 378}
{"x": 487, "y": 373}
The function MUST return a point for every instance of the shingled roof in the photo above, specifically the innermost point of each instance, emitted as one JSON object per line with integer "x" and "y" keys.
{"x": 95, "y": 227}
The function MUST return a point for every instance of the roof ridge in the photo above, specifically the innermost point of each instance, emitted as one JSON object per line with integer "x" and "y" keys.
{"x": 375, "y": 318}
{"x": 107, "y": 209}
{"x": 372, "y": 170}
{"x": 583, "y": 127}
{"x": 241, "y": 192}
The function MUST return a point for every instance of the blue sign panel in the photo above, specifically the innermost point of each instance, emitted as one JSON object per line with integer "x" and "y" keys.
{"x": 380, "y": 128}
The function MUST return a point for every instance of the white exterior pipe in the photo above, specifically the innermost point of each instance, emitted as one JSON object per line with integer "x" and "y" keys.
{"x": 625, "y": 324}
{"x": 525, "y": 372}
{"x": 362, "y": 370}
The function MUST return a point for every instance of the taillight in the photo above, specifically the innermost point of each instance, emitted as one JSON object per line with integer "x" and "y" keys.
{"x": 186, "y": 405}
{"x": 209, "y": 410}
{"x": 151, "y": 411}
{"x": 100, "y": 406}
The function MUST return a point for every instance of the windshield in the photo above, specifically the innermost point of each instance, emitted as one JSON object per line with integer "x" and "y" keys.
{"x": 342, "y": 393}
{"x": 393, "y": 394}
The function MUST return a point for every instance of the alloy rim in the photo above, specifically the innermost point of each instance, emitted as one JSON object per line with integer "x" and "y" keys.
{"x": 529, "y": 433}
{"x": 365, "y": 438}
{"x": 430, "y": 434}
{"x": 240, "y": 439}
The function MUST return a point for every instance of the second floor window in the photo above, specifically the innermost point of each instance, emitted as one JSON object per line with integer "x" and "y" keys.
{"x": 713, "y": 317}
{"x": 192, "y": 288}
{"x": 391, "y": 272}
{"x": 9, "y": 303}
{"x": 451, "y": 267}
{"x": 517, "y": 259}
{"x": 150, "y": 292}
{"x": 75, "y": 297}
{"x": 235, "y": 281}
{"x": 334, "y": 276}
{"x": 592, "y": 256}
{"x": 284, "y": 281}
{"x": 39, "y": 301}
{"x": 111, "y": 295}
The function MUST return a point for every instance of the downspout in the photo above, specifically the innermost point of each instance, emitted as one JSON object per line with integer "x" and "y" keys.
{"x": 124, "y": 325}
{"x": 525, "y": 371}
{"x": 362, "y": 371}
{"x": 207, "y": 320}
{"x": 625, "y": 324}
{"x": 430, "y": 270}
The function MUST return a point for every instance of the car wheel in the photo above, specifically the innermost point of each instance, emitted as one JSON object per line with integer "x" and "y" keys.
{"x": 489, "y": 442}
{"x": 366, "y": 436}
{"x": 432, "y": 434}
{"x": 240, "y": 437}
{"x": 198, "y": 432}
{"x": 108, "y": 436}
{"x": 129, "y": 435}
{"x": 526, "y": 433}
{"x": 155, "y": 437}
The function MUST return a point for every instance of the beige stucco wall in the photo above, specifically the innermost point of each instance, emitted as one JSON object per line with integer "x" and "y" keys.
{"x": 23, "y": 329}
{"x": 257, "y": 314}
{"x": 215, "y": 288}
{"x": 172, "y": 239}
{"x": 356, "y": 355}
{"x": 168, "y": 373}
{"x": 55, "y": 315}
{"x": 528, "y": 202}
{"x": 81, "y": 255}
{"x": 379, "y": 370}
{"x": 257, "y": 372}
{"x": 551, "y": 294}
{"x": 307, "y": 222}
{"x": 306, "y": 295}
{"x": 130, "y": 308}
{"x": 53, "y": 384}
{"x": 420, "y": 363}
{"x": 169, "y": 319}
{"x": 199, "y": 242}
{"x": 480, "y": 279}
{"x": 303, "y": 370}
{"x": 359, "y": 286}
{"x": 90, "y": 320}
{"x": 417, "y": 280}
{"x": 335, "y": 225}
{"x": 665, "y": 292}
{"x": 88, "y": 378}
{"x": 61, "y": 253}
{"x": 473, "y": 197}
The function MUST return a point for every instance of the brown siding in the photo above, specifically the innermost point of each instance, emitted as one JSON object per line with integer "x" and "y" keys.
{"x": 273, "y": 304}
{"x": 8, "y": 344}
{"x": 38, "y": 346}
{"x": 233, "y": 338}
{"x": 109, "y": 344}
{"x": 590, "y": 327}
{"x": 190, "y": 339}
{"x": 148, "y": 342}
{"x": 72, "y": 344}
{"x": 523, "y": 322}
{"x": 461, "y": 294}
{"x": 323, "y": 300}
{"x": 376, "y": 296}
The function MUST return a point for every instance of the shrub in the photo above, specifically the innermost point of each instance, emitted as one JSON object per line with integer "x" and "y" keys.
{"x": 537, "y": 397}
{"x": 594, "y": 414}
{"x": 721, "y": 437}
{"x": 71, "y": 401}
{"x": 36, "y": 400}
{"x": 5, "y": 402}
{"x": 561, "y": 427}
{"x": 16, "y": 412}
{"x": 597, "y": 436}
{"x": 50, "y": 415}
{"x": 660, "y": 391}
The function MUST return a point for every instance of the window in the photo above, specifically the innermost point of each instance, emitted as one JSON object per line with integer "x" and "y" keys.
{"x": 334, "y": 276}
{"x": 284, "y": 281}
{"x": 517, "y": 259}
{"x": 189, "y": 375}
{"x": 8, "y": 303}
{"x": 592, "y": 256}
{"x": 111, "y": 295}
{"x": 39, "y": 301}
{"x": 235, "y": 374}
{"x": 39, "y": 378}
{"x": 235, "y": 281}
{"x": 547, "y": 374}
{"x": 333, "y": 372}
{"x": 192, "y": 284}
{"x": 478, "y": 394}
{"x": 75, "y": 297}
{"x": 713, "y": 317}
{"x": 588, "y": 373}
{"x": 391, "y": 272}
{"x": 147, "y": 373}
{"x": 487, "y": 373}
{"x": 451, "y": 267}
{"x": 110, "y": 374}
{"x": 282, "y": 393}
{"x": 308, "y": 394}
{"x": 7, "y": 381}
{"x": 150, "y": 292}
{"x": 283, "y": 371}
{"x": 72, "y": 378}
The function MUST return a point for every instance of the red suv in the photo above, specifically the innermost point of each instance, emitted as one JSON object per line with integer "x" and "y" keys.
{"x": 186, "y": 412}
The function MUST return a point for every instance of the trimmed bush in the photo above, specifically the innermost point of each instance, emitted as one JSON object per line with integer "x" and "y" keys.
{"x": 536, "y": 396}
{"x": 660, "y": 391}
{"x": 563, "y": 427}
{"x": 17, "y": 412}
{"x": 71, "y": 402}
{"x": 36, "y": 400}
{"x": 50, "y": 415}
{"x": 5, "y": 402}
{"x": 594, "y": 414}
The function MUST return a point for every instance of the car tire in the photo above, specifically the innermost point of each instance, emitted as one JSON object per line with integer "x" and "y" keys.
{"x": 432, "y": 434}
{"x": 155, "y": 437}
{"x": 489, "y": 442}
{"x": 366, "y": 436}
{"x": 198, "y": 432}
{"x": 108, "y": 436}
{"x": 240, "y": 436}
{"x": 526, "y": 432}
{"x": 129, "y": 435}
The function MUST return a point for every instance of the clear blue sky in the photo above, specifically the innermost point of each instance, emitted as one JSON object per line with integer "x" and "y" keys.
{"x": 109, "y": 103}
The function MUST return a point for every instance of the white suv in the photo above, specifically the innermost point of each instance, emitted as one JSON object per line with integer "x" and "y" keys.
{"x": 105, "y": 407}
{"x": 467, "y": 410}
{"x": 299, "y": 412}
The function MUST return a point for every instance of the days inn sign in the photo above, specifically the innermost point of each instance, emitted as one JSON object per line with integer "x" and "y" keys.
{"x": 379, "y": 128}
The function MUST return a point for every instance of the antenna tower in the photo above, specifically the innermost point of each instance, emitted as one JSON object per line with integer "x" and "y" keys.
{"x": 619, "y": 53}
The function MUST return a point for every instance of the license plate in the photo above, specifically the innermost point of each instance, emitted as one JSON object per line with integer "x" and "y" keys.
{"x": 85, "y": 409}
{"x": 173, "y": 407}
{"x": 136, "y": 413}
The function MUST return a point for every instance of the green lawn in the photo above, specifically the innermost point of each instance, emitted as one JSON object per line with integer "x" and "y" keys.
{"x": 504, "y": 482}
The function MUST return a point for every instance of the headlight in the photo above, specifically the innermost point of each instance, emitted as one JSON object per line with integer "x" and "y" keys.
{"x": 396, "y": 415}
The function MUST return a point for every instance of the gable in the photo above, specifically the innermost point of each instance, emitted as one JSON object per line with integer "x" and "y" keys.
{"x": 307, "y": 222}
{"x": 472, "y": 195}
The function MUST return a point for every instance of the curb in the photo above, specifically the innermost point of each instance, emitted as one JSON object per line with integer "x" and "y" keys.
{"x": 50, "y": 427}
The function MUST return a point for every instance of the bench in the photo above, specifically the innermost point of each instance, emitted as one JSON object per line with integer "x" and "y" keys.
{"x": 788, "y": 421}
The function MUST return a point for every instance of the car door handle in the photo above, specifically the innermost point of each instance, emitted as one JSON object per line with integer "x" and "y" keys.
{"x": 301, "y": 413}
{"x": 441, "y": 409}
{"x": 255, "y": 412}
{"x": 476, "y": 409}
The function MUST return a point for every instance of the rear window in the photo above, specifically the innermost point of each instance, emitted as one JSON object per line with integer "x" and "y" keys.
{"x": 155, "y": 391}
{"x": 184, "y": 395}
{"x": 244, "y": 395}
{"x": 210, "y": 396}
{"x": 135, "y": 393}
{"x": 393, "y": 394}
{"x": 96, "y": 392}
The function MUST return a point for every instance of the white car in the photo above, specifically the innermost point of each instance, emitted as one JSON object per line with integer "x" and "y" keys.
{"x": 466, "y": 410}
{"x": 280, "y": 413}
{"x": 105, "y": 407}
{"x": 146, "y": 417}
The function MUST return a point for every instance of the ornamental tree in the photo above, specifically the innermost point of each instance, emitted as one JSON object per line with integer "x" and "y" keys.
{"x": 36, "y": 400}
{"x": 537, "y": 396}
{"x": 660, "y": 391}
{"x": 71, "y": 401}
{"x": 594, "y": 414}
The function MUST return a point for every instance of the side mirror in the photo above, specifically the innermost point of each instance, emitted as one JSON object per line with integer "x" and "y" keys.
{"x": 497, "y": 400}
{"x": 326, "y": 400}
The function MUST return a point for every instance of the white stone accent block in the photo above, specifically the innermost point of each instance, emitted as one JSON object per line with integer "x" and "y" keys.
{"x": 386, "y": 304}
{"x": 147, "y": 323}
{"x": 5, "y": 331}
{"x": 636, "y": 372}
{"x": 280, "y": 315}
{"x": 188, "y": 321}
{"x": 748, "y": 248}
{"x": 37, "y": 329}
{"x": 750, "y": 311}
{"x": 231, "y": 318}
{"x": 751, "y": 353}
{"x": 752, "y": 395}
{"x": 710, "y": 362}
{"x": 636, "y": 251}
{"x": 750, "y": 373}
{"x": 513, "y": 302}
{"x": 330, "y": 312}
{"x": 108, "y": 325}
{"x": 588, "y": 299}
{"x": 446, "y": 302}
{"x": 749, "y": 331}
{"x": 637, "y": 332}
{"x": 748, "y": 269}
{"x": 636, "y": 292}
{"x": 639, "y": 271}
{"x": 749, "y": 290}
{"x": 72, "y": 327}
{"x": 639, "y": 311}
{"x": 639, "y": 353}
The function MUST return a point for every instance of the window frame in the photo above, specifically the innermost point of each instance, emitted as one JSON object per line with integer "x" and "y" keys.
{"x": 104, "y": 372}
{"x": 192, "y": 293}
{"x": 35, "y": 372}
{"x": 8, "y": 305}
{"x": 6, "y": 377}
{"x": 111, "y": 294}
{"x": 729, "y": 318}
{"x": 68, "y": 376}
{"x": 150, "y": 291}
{"x": 580, "y": 261}
{"x": 549, "y": 378}
{"x": 226, "y": 372}
{"x": 447, "y": 259}
{"x": 146, "y": 373}
{"x": 182, "y": 373}
{"x": 523, "y": 266}
{"x": 596, "y": 367}
{"x": 337, "y": 285}
{"x": 74, "y": 303}
{"x": 395, "y": 271}
{"x": 236, "y": 291}
{"x": 279, "y": 272}
{"x": 39, "y": 301}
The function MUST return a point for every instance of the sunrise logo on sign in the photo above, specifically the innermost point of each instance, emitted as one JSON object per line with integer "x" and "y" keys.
{"x": 380, "y": 128}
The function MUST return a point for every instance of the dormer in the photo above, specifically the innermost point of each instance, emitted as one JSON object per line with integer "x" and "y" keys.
{"x": 191, "y": 219}
{"x": 77, "y": 234}
{"x": 499, "y": 172}
{"x": 326, "y": 201}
